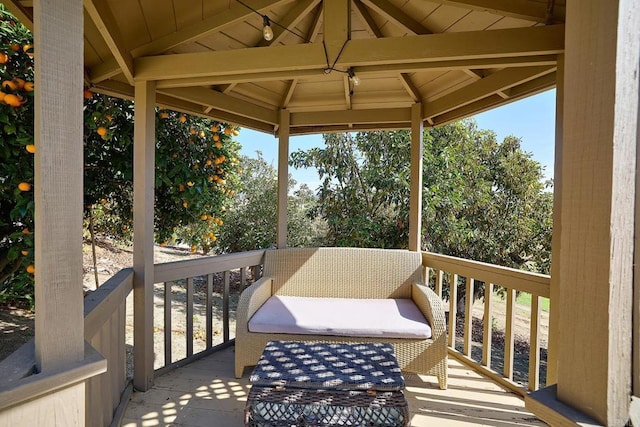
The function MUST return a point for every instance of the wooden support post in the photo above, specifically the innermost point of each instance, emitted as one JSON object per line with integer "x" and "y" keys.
{"x": 283, "y": 178}
{"x": 554, "y": 291}
{"x": 415, "y": 202}
{"x": 599, "y": 146}
{"x": 59, "y": 328}
{"x": 143, "y": 208}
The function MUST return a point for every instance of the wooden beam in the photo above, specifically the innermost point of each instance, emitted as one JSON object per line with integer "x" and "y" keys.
{"x": 283, "y": 179}
{"x": 16, "y": 9}
{"x": 143, "y": 218}
{"x": 520, "y": 9}
{"x": 299, "y": 11}
{"x": 337, "y": 30}
{"x": 316, "y": 118}
{"x": 347, "y": 91}
{"x": 599, "y": 148}
{"x": 106, "y": 24}
{"x": 387, "y": 10}
{"x": 489, "y": 85}
{"x": 288, "y": 93}
{"x": 516, "y": 42}
{"x": 478, "y": 75}
{"x": 58, "y": 192}
{"x": 224, "y": 102}
{"x": 314, "y": 29}
{"x": 415, "y": 196}
{"x": 103, "y": 71}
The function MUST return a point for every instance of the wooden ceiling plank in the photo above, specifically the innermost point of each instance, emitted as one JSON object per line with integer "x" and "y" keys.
{"x": 464, "y": 46}
{"x": 314, "y": 29}
{"x": 105, "y": 23}
{"x": 215, "y": 23}
{"x": 290, "y": 20}
{"x": 483, "y": 88}
{"x": 373, "y": 28}
{"x": 104, "y": 70}
{"x": 345, "y": 117}
{"x": 224, "y": 102}
{"x": 389, "y": 11}
{"x": 18, "y": 10}
{"x": 521, "y": 9}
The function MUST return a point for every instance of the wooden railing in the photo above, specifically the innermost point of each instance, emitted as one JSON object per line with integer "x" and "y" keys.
{"x": 198, "y": 287}
{"x": 442, "y": 271}
{"x": 104, "y": 328}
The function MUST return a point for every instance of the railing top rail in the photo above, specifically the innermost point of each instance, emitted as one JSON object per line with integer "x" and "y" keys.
{"x": 176, "y": 270}
{"x": 100, "y": 305}
{"x": 519, "y": 280}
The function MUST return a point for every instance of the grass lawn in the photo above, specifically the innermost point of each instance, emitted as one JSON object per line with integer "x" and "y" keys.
{"x": 525, "y": 299}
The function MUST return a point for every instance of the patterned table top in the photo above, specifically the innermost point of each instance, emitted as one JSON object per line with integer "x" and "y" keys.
{"x": 367, "y": 366}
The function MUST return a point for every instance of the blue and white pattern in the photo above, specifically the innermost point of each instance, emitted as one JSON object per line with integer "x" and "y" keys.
{"x": 367, "y": 366}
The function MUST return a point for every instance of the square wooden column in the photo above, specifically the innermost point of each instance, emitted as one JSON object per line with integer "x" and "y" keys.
{"x": 283, "y": 178}
{"x": 415, "y": 197}
{"x": 59, "y": 332}
{"x": 143, "y": 213}
{"x": 602, "y": 55}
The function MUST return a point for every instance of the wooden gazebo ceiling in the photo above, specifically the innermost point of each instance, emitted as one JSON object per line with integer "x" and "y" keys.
{"x": 456, "y": 57}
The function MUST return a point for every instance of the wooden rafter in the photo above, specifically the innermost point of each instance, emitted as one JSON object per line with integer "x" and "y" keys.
{"x": 375, "y": 31}
{"x": 477, "y": 75}
{"x": 346, "y": 117}
{"x": 17, "y": 10}
{"x": 484, "y": 88}
{"x": 290, "y": 20}
{"x": 104, "y": 21}
{"x": 462, "y": 46}
{"x": 386, "y": 9}
{"x": 521, "y": 9}
{"x": 347, "y": 91}
{"x": 288, "y": 93}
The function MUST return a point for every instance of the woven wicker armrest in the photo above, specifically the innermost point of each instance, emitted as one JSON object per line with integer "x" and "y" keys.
{"x": 431, "y": 306}
{"x": 251, "y": 300}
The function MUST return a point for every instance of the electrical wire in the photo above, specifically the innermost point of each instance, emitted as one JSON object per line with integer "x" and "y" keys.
{"x": 274, "y": 22}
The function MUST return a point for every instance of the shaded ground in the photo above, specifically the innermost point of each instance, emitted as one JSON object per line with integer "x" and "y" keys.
{"x": 16, "y": 328}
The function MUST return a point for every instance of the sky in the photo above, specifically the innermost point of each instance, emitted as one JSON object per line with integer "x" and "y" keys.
{"x": 531, "y": 119}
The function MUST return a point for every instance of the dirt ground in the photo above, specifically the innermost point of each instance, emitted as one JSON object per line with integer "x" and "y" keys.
{"x": 17, "y": 326}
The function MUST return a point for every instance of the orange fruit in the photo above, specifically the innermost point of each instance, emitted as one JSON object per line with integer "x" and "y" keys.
{"x": 15, "y": 47}
{"x": 201, "y": 134}
{"x": 196, "y": 166}
{"x": 103, "y": 201}
{"x": 218, "y": 144}
{"x": 19, "y": 82}
{"x": 2, "y": 95}
{"x": 209, "y": 162}
{"x": 102, "y": 131}
{"x": 235, "y": 132}
{"x": 203, "y": 217}
{"x": 185, "y": 204}
{"x": 192, "y": 131}
{"x": 164, "y": 115}
{"x": 25, "y": 253}
{"x": 213, "y": 238}
{"x": 215, "y": 128}
{"x": 28, "y": 86}
{"x": 28, "y": 49}
{"x": 30, "y": 269}
{"x": 216, "y": 137}
{"x": 12, "y": 100}
{"x": 211, "y": 178}
{"x": 163, "y": 243}
{"x": 87, "y": 94}
{"x": 190, "y": 184}
{"x": 25, "y": 231}
{"x": 9, "y": 84}
{"x": 30, "y": 148}
{"x": 183, "y": 118}
{"x": 181, "y": 187}
{"x": 4, "y": 58}
{"x": 24, "y": 186}
{"x": 175, "y": 155}
{"x": 227, "y": 131}
{"x": 194, "y": 248}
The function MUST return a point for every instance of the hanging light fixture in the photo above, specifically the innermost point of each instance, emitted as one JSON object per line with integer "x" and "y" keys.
{"x": 352, "y": 76}
{"x": 267, "y": 32}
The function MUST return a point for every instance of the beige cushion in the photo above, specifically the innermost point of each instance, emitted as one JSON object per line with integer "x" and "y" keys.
{"x": 383, "y": 318}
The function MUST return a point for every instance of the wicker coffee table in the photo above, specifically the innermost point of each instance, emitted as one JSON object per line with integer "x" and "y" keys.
{"x": 326, "y": 384}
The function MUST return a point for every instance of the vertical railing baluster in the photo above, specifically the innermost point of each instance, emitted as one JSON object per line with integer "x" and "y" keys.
{"x": 534, "y": 344}
{"x": 509, "y": 334}
{"x": 487, "y": 332}
{"x": 189, "y": 335}
{"x": 243, "y": 278}
{"x": 438, "y": 288}
{"x": 468, "y": 315}
{"x": 167, "y": 323}
{"x": 209, "y": 327}
{"x": 453, "y": 296}
{"x": 225, "y": 306}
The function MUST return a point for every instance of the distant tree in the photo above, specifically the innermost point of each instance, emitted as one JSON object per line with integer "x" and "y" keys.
{"x": 251, "y": 217}
{"x": 482, "y": 199}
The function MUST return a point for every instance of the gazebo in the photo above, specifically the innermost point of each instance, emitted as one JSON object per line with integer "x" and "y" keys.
{"x": 292, "y": 67}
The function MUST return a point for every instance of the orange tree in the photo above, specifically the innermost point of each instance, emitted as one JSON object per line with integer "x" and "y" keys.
{"x": 196, "y": 171}
{"x": 16, "y": 159}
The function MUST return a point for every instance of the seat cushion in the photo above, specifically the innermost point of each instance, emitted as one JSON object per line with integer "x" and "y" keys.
{"x": 373, "y": 318}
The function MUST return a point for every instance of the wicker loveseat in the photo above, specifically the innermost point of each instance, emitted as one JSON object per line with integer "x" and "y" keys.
{"x": 346, "y": 273}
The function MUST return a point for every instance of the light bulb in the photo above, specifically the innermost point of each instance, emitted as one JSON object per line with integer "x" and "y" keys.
{"x": 267, "y": 32}
{"x": 356, "y": 80}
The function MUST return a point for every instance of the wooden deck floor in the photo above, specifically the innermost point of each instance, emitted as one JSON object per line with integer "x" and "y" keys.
{"x": 205, "y": 393}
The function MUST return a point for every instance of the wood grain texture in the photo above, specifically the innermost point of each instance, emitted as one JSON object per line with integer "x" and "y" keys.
{"x": 58, "y": 183}
{"x": 283, "y": 178}
{"x": 143, "y": 202}
{"x": 598, "y": 182}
